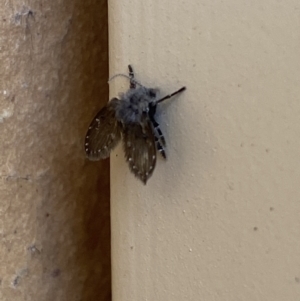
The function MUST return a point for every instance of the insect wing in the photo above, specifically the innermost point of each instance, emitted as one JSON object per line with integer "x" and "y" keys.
{"x": 103, "y": 134}
{"x": 140, "y": 149}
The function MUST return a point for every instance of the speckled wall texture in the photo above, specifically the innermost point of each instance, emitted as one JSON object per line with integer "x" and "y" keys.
{"x": 54, "y": 204}
{"x": 219, "y": 220}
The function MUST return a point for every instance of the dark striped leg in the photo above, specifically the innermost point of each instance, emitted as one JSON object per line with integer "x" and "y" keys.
{"x": 159, "y": 138}
{"x": 158, "y": 132}
{"x": 160, "y": 147}
{"x": 131, "y": 75}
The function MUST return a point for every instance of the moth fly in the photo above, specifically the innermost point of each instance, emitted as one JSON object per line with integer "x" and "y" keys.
{"x": 132, "y": 119}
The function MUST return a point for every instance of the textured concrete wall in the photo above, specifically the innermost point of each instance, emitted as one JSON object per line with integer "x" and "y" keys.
{"x": 220, "y": 219}
{"x": 54, "y": 204}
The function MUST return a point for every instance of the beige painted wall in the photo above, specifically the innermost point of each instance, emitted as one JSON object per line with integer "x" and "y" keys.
{"x": 54, "y": 204}
{"x": 220, "y": 219}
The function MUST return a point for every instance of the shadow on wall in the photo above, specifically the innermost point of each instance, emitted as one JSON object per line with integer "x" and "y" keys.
{"x": 83, "y": 230}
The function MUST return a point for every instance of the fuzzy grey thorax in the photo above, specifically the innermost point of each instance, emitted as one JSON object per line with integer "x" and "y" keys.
{"x": 132, "y": 104}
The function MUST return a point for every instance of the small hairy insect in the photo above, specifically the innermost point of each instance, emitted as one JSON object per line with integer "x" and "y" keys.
{"x": 130, "y": 117}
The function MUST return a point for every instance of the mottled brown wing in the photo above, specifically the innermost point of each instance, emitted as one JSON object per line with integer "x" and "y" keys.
{"x": 103, "y": 134}
{"x": 140, "y": 149}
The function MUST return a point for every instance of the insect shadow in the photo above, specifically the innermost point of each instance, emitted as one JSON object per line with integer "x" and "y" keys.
{"x": 132, "y": 119}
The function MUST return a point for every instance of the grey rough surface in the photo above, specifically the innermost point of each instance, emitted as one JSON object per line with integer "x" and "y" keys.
{"x": 54, "y": 204}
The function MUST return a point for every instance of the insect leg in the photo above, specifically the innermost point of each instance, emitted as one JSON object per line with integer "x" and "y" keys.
{"x": 160, "y": 147}
{"x": 171, "y": 95}
{"x": 159, "y": 137}
{"x": 131, "y": 76}
{"x": 158, "y": 132}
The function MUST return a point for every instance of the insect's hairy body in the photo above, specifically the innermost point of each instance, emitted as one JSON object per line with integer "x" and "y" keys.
{"x": 133, "y": 104}
{"x": 130, "y": 118}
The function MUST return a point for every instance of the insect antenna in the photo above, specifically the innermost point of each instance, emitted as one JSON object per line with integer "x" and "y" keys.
{"x": 131, "y": 75}
{"x": 127, "y": 76}
{"x": 171, "y": 95}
